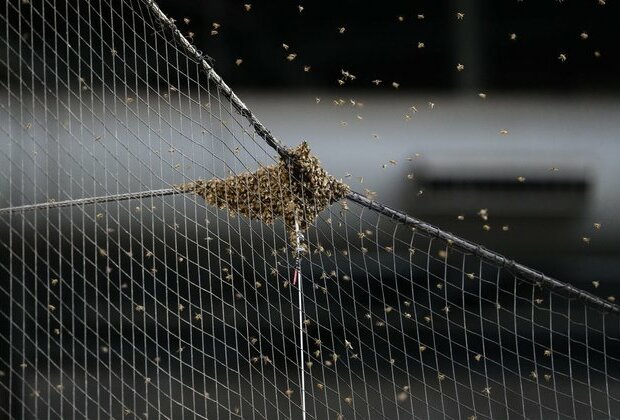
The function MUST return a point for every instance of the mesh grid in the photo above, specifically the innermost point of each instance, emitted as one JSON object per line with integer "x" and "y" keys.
{"x": 162, "y": 306}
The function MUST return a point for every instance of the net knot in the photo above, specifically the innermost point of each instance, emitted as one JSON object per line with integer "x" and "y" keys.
{"x": 200, "y": 57}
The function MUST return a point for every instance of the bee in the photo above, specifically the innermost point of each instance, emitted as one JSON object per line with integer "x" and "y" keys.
{"x": 247, "y": 7}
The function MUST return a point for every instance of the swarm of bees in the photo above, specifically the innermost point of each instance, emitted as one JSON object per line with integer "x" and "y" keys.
{"x": 297, "y": 189}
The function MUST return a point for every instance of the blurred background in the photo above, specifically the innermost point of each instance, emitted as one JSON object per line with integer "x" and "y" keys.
{"x": 445, "y": 109}
{"x": 496, "y": 120}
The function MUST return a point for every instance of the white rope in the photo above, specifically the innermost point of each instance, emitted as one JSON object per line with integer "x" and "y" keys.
{"x": 90, "y": 200}
{"x": 299, "y": 237}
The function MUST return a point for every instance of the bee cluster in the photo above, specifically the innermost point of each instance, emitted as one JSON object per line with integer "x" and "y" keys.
{"x": 297, "y": 189}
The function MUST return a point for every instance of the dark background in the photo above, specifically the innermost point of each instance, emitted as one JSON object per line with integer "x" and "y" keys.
{"x": 376, "y": 45}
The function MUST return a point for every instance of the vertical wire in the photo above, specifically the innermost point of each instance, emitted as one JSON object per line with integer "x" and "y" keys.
{"x": 23, "y": 233}
{"x": 37, "y": 243}
{"x": 432, "y": 324}
{"x": 534, "y": 351}
{"x": 554, "y": 379}
{"x": 385, "y": 318}
{"x": 605, "y": 358}
{"x": 446, "y": 310}
{"x": 416, "y": 305}
{"x": 498, "y": 308}
{"x": 518, "y": 355}
{"x": 465, "y": 335}
{"x": 298, "y": 276}
{"x": 355, "y": 313}
{"x": 49, "y": 317}
{"x": 589, "y": 369}
{"x": 571, "y": 377}
{"x": 487, "y": 389}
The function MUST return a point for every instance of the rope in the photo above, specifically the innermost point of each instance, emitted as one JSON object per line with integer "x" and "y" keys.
{"x": 526, "y": 273}
{"x": 297, "y": 278}
{"x": 89, "y": 200}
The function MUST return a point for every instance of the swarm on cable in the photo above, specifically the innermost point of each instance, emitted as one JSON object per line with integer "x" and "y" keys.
{"x": 297, "y": 189}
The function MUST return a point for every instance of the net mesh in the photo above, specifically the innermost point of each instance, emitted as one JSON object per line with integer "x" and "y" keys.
{"x": 161, "y": 305}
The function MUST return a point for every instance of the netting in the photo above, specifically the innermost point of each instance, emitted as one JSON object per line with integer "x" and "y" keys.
{"x": 123, "y": 297}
